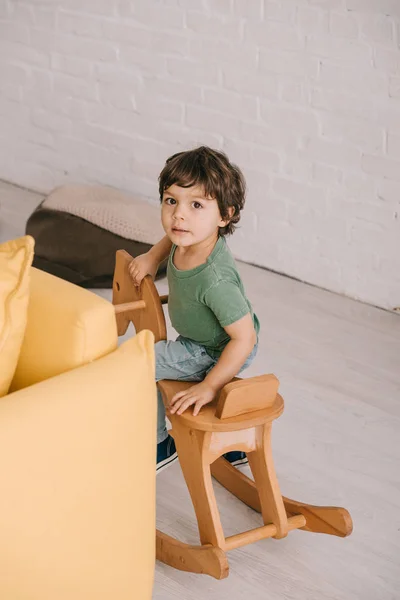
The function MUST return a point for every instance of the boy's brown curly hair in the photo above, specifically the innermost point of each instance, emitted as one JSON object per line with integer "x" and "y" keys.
{"x": 212, "y": 170}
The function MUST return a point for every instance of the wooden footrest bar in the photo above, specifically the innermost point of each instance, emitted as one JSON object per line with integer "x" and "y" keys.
{"x": 261, "y": 533}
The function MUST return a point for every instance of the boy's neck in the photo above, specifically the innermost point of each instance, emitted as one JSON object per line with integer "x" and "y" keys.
{"x": 190, "y": 257}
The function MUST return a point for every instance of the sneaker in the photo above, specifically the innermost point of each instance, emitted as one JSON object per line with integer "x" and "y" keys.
{"x": 166, "y": 453}
{"x": 236, "y": 458}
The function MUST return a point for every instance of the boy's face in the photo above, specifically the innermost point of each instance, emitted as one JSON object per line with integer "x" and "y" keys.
{"x": 188, "y": 217}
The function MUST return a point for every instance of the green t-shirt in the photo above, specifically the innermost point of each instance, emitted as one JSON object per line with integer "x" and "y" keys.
{"x": 204, "y": 300}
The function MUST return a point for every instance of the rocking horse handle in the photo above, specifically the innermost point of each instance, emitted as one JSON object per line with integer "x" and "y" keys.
{"x": 141, "y": 305}
{"x": 242, "y": 396}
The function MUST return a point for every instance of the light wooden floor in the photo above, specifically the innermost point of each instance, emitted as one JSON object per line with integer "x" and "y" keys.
{"x": 338, "y": 442}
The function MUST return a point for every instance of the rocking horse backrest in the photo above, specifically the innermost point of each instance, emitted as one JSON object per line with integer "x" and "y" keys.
{"x": 242, "y": 396}
{"x": 124, "y": 291}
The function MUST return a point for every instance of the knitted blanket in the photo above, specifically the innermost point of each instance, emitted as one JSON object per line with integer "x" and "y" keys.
{"x": 78, "y": 229}
{"x": 109, "y": 209}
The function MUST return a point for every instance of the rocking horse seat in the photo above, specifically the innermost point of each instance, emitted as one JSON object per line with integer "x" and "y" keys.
{"x": 208, "y": 419}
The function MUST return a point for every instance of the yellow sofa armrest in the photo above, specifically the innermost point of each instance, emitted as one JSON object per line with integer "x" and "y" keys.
{"x": 77, "y": 478}
{"x": 67, "y": 326}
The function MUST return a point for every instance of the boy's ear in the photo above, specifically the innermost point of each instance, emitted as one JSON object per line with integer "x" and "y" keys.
{"x": 231, "y": 212}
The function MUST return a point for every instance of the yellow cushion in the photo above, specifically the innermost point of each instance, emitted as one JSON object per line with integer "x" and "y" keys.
{"x": 77, "y": 473}
{"x": 15, "y": 261}
{"x": 68, "y": 326}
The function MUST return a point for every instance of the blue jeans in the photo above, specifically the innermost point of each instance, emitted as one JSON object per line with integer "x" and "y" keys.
{"x": 182, "y": 360}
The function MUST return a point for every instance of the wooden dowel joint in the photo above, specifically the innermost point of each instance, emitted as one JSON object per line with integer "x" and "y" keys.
{"x": 127, "y": 306}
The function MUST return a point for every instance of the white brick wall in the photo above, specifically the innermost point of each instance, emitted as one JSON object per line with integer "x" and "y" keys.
{"x": 303, "y": 94}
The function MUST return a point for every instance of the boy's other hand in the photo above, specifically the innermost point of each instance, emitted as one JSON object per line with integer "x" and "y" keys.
{"x": 199, "y": 395}
{"x": 141, "y": 266}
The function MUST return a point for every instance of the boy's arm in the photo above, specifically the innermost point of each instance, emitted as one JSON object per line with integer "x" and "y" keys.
{"x": 243, "y": 338}
{"x": 147, "y": 264}
{"x": 161, "y": 250}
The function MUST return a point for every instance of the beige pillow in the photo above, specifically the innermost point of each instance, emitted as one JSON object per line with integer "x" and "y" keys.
{"x": 15, "y": 260}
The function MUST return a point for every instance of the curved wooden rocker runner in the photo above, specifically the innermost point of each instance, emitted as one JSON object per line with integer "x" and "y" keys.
{"x": 239, "y": 419}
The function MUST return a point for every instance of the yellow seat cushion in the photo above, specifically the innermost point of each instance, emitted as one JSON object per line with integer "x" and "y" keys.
{"x": 15, "y": 262}
{"x": 77, "y": 472}
{"x": 67, "y": 327}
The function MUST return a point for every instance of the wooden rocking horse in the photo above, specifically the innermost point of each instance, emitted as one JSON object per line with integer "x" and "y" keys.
{"x": 239, "y": 419}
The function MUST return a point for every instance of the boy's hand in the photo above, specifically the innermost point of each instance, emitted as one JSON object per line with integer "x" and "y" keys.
{"x": 199, "y": 395}
{"x": 142, "y": 265}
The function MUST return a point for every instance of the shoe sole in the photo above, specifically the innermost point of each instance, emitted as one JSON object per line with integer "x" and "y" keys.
{"x": 240, "y": 461}
{"x": 164, "y": 464}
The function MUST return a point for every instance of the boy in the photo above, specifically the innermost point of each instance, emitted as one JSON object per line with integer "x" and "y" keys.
{"x": 201, "y": 196}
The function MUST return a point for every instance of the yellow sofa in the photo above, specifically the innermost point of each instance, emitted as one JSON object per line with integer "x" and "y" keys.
{"x": 77, "y": 454}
